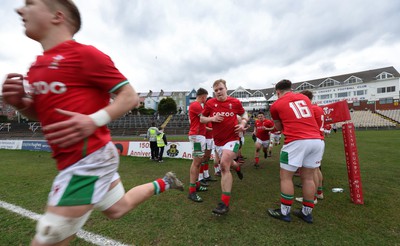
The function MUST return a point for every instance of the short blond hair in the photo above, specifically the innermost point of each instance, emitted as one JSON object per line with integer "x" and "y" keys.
{"x": 219, "y": 81}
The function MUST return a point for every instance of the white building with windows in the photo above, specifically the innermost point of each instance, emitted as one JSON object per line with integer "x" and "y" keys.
{"x": 381, "y": 85}
{"x": 252, "y": 100}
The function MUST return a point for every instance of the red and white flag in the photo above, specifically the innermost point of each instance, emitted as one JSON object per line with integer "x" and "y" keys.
{"x": 336, "y": 112}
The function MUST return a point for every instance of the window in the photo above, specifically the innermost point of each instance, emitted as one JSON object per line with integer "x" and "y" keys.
{"x": 328, "y": 83}
{"x": 326, "y": 96}
{"x": 353, "y": 80}
{"x": 258, "y": 94}
{"x": 356, "y": 103}
{"x": 381, "y": 90}
{"x": 343, "y": 94}
{"x": 305, "y": 86}
{"x": 240, "y": 94}
{"x": 384, "y": 75}
{"x": 391, "y": 89}
{"x": 386, "y": 100}
{"x": 360, "y": 93}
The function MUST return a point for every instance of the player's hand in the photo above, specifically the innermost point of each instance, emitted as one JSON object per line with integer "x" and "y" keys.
{"x": 239, "y": 128}
{"x": 14, "y": 93}
{"x": 68, "y": 132}
{"x": 217, "y": 118}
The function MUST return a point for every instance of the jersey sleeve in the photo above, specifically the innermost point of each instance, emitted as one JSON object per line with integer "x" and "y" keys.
{"x": 206, "y": 111}
{"x": 101, "y": 71}
{"x": 240, "y": 107}
{"x": 197, "y": 109}
{"x": 269, "y": 124}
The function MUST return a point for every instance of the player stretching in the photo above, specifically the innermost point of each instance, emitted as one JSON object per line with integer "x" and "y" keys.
{"x": 262, "y": 127}
{"x": 222, "y": 111}
{"x": 71, "y": 85}
{"x": 303, "y": 148}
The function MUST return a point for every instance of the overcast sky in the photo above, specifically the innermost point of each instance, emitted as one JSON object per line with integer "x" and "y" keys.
{"x": 181, "y": 45}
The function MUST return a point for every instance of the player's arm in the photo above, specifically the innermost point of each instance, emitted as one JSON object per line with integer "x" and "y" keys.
{"x": 244, "y": 119}
{"x": 243, "y": 122}
{"x": 15, "y": 95}
{"x": 80, "y": 126}
{"x": 205, "y": 119}
{"x": 278, "y": 125}
{"x": 268, "y": 128}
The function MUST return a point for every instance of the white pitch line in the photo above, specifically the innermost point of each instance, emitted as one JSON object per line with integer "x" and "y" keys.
{"x": 85, "y": 235}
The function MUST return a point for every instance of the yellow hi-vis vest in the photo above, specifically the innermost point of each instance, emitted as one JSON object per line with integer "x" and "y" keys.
{"x": 160, "y": 140}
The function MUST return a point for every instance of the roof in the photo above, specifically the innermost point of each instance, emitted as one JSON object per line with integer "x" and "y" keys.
{"x": 366, "y": 76}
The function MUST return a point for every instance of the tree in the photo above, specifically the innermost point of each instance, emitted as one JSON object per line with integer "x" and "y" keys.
{"x": 167, "y": 106}
{"x": 145, "y": 111}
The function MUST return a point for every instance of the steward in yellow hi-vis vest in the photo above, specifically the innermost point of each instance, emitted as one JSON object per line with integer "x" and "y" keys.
{"x": 161, "y": 142}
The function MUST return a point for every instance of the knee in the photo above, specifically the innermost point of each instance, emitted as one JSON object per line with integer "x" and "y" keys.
{"x": 53, "y": 228}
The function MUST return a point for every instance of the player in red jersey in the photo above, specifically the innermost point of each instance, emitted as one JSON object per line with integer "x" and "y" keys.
{"x": 70, "y": 86}
{"x": 262, "y": 128}
{"x": 327, "y": 129}
{"x": 197, "y": 136}
{"x": 303, "y": 147}
{"x": 320, "y": 119}
{"x": 222, "y": 111}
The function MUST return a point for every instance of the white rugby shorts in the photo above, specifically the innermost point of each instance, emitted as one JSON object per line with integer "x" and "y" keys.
{"x": 302, "y": 153}
{"x": 232, "y": 146}
{"x": 86, "y": 181}
{"x": 210, "y": 144}
{"x": 198, "y": 145}
{"x": 265, "y": 143}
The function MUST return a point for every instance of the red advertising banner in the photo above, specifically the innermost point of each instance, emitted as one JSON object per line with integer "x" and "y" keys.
{"x": 336, "y": 112}
{"x": 353, "y": 164}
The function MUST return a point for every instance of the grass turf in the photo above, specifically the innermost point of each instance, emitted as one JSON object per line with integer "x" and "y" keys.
{"x": 171, "y": 219}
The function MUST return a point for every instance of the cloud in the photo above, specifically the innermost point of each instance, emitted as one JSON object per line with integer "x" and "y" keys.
{"x": 180, "y": 45}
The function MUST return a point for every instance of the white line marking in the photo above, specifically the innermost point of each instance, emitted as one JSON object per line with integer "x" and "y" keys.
{"x": 85, "y": 235}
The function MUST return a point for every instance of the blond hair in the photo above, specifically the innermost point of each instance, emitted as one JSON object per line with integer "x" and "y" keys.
{"x": 219, "y": 81}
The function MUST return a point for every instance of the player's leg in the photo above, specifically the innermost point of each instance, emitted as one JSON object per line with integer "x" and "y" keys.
{"x": 320, "y": 188}
{"x": 59, "y": 225}
{"x": 271, "y": 145}
{"x": 311, "y": 162}
{"x": 265, "y": 145}
{"x": 227, "y": 158}
{"x": 217, "y": 163}
{"x": 160, "y": 154}
{"x": 287, "y": 195}
{"x": 198, "y": 147}
{"x": 257, "y": 146}
{"x": 117, "y": 203}
{"x": 73, "y": 192}
{"x": 291, "y": 158}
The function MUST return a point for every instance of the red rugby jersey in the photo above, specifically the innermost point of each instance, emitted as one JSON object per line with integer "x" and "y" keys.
{"x": 224, "y": 131}
{"x": 295, "y": 112}
{"x": 196, "y": 127}
{"x": 319, "y": 118}
{"x": 78, "y": 78}
{"x": 261, "y": 133}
